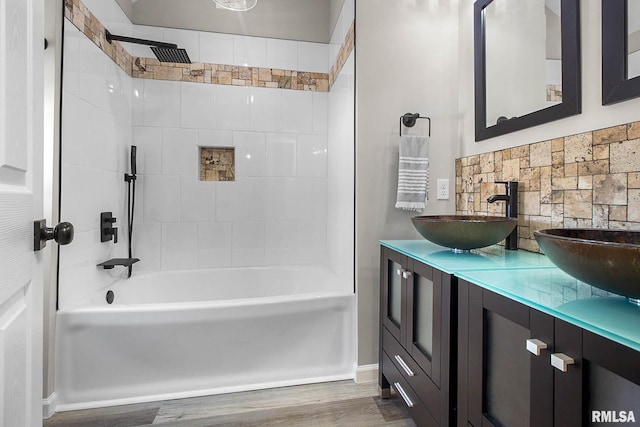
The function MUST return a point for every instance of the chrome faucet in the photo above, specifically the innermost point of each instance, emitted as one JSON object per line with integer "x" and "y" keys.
{"x": 511, "y": 242}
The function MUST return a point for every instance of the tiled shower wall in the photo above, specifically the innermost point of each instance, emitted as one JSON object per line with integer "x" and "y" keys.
{"x": 275, "y": 212}
{"x": 591, "y": 179}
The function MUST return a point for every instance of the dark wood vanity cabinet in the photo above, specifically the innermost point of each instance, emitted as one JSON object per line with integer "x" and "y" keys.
{"x": 417, "y": 320}
{"x": 503, "y": 382}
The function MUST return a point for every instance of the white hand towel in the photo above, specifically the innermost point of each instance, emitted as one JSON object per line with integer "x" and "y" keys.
{"x": 413, "y": 173}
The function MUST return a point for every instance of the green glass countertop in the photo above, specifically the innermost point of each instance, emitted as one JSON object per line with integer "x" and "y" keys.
{"x": 554, "y": 292}
{"x": 533, "y": 280}
{"x": 490, "y": 258}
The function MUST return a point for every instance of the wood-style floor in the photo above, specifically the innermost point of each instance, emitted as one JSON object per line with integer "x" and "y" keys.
{"x": 340, "y": 403}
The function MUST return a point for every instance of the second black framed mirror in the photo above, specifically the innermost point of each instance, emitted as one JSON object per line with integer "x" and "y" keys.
{"x": 527, "y": 64}
{"x": 620, "y": 50}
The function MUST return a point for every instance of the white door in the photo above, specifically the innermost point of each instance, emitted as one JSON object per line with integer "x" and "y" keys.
{"x": 21, "y": 138}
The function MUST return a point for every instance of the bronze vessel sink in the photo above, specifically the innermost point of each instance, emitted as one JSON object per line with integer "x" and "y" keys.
{"x": 464, "y": 232}
{"x": 606, "y": 259}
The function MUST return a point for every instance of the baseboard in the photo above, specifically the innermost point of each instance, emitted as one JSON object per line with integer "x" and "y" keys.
{"x": 49, "y": 406}
{"x": 366, "y": 374}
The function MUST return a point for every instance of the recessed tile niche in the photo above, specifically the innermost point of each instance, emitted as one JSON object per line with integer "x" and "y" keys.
{"x": 217, "y": 164}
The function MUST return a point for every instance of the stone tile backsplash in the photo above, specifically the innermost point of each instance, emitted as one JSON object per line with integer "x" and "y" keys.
{"x": 591, "y": 179}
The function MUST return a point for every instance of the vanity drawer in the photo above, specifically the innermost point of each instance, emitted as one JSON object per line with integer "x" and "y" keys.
{"x": 419, "y": 381}
{"x": 417, "y": 410}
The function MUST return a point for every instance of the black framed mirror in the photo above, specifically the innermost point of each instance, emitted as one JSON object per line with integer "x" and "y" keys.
{"x": 527, "y": 64}
{"x": 620, "y": 50}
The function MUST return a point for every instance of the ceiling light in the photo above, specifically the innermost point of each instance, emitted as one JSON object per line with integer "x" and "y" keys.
{"x": 237, "y": 5}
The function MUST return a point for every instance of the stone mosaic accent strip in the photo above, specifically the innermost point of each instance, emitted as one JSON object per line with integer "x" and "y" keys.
{"x": 151, "y": 68}
{"x": 591, "y": 179}
{"x": 343, "y": 54}
{"x": 217, "y": 164}
{"x": 82, "y": 18}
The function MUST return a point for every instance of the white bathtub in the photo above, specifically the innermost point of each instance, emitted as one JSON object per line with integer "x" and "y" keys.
{"x": 178, "y": 334}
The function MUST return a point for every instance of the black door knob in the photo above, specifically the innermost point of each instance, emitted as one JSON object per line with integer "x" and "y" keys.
{"x": 61, "y": 233}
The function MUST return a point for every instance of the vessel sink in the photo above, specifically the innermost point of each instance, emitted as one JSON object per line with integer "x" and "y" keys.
{"x": 464, "y": 232}
{"x": 606, "y": 259}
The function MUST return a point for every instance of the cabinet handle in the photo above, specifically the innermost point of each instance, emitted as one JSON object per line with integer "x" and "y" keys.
{"x": 406, "y": 274}
{"x": 535, "y": 346}
{"x": 404, "y": 365}
{"x": 561, "y": 361}
{"x": 404, "y": 395}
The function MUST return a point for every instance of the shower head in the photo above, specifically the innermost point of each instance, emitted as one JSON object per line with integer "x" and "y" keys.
{"x": 171, "y": 54}
{"x": 165, "y": 52}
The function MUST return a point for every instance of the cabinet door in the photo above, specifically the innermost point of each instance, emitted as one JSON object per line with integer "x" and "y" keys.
{"x": 393, "y": 293}
{"x": 602, "y": 384}
{"x": 507, "y": 385}
{"x": 424, "y": 316}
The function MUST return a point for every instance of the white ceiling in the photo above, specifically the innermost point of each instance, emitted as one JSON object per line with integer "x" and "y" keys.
{"x": 304, "y": 20}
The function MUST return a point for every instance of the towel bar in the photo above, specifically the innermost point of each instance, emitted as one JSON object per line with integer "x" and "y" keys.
{"x": 409, "y": 120}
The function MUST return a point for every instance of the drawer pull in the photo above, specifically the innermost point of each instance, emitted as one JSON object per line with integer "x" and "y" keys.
{"x": 402, "y": 393}
{"x": 535, "y": 346}
{"x": 561, "y": 361}
{"x": 404, "y": 365}
{"x": 406, "y": 274}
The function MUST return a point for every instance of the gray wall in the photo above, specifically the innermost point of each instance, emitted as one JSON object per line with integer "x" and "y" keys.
{"x": 404, "y": 63}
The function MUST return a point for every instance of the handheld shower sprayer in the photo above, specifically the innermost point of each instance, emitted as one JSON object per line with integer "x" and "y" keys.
{"x": 134, "y": 169}
{"x": 131, "y": 198}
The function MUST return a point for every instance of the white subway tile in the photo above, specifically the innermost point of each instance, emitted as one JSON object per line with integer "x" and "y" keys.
{"x": 313, "y": 57}
{"x": 149, "y": 152}
{"x": 250, "y": 153}
{"x": 214, "y": 244}
{"x": 216, "y": 48}
{"x": 321, "y": 113}
{"x": 179, "y": 246}
{"x": 248, "y": 244}
{"x": 161, "y": 103}
{"x": 198, "y": 106}
{"x": 161, "y": 196}
{"x": 249, "y": 51}
{"x": 180, "y": 152}
{"x": 215, "y": 138}
{"x": 312, "y": 155}
{"x": 281, "y": 154}
{"x": 147, "y": 246}
{"x": 297, "y": 111}
{"x": 233, "y": 200}
{"x": 232, "y": 111}
{"x": 197, "y": 201}
{"x": 266, "y": 109}
{"x": 282, "y": 54}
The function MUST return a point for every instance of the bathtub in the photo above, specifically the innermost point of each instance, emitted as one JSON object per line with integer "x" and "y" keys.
{"x": 178, "y": 334}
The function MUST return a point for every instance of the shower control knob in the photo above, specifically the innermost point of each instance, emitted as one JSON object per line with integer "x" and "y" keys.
{"x": 61, "y": 233}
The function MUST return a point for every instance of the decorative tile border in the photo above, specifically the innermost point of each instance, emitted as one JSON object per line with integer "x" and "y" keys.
{"x": 76, "y": 12}
{"x": 591, "y": 179}
{"x": 343, "y": 54}
{"x": 151, "y": 68}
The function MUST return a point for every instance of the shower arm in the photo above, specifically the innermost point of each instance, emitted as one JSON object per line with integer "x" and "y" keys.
{"x": 110, "y": 37}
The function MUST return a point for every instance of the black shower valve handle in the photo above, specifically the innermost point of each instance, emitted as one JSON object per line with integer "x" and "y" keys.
{"x": 107, "y": 230}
